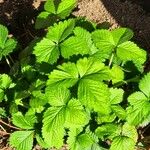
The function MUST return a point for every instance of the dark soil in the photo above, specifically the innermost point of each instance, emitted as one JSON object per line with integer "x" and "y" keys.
{"x": 19, "y": 16}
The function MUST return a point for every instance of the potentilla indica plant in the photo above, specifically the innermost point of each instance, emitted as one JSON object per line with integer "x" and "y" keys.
{"x": 82, "y": 87}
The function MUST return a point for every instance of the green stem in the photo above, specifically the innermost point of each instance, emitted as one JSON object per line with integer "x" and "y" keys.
{"x": 111, "y": 59}
{"x": 11, "y": 59}
{"x": 8, "y": 62}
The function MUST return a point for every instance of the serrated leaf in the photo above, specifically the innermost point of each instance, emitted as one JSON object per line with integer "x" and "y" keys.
{"x": 128, "y": 51}
{"x": 57, "y": 96}
{"x": 119, "y": 111}
{"x": 122, "y": 143}
{"x": 144, "y": 85}
{"x": 3, "y": 35}
{"x": 117, "y": 74}
{"x": 94, "y": 95}
{"x": 46, "y": 51}
{"x": 60, "y": 31}
{"x": 24, "y": 122}
{"x": 82, "y": 41}
{"x": 75, "y": 114}
{"x": 22, "y": 140}
{"x": 50, "y": 6}
{"x": 91, "y": 69}
{"x": 116, "y": 95}
{"x": 121, "y": 35}
{"x": 66, "y": 76}
{"x": 139, "y": 109}
{"x": 65, "y": 8}
{"x": 53, "y": 129}
{"x": 5, "y": 81}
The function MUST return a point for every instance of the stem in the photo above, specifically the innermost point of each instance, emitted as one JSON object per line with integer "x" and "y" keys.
{"x": 111, "y": 59}
{"x": 8, "y": 62}
{"x": 11, "y": 59}
{"x": 3, "y": 133}
{"x": 8, "y": 125}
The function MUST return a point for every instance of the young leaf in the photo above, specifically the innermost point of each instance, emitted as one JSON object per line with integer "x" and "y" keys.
{"x": 24, "y": 122}
{"x": 53, "y": 129}
{"x": 50, "y": 6}
{"x": 22, "y": 140}
{"x": 128, "y": 51}
{"x": 46, "y": 51}
{"x": 5, "y": 81}
{"x": 66, "y": 76}
{"x": 3, "y": 35}
{"x": 60, "y": 31}
{"x": 94, "y": 95}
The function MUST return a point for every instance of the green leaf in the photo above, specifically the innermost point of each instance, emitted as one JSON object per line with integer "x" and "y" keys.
{"x": 65, "y": 8}
{"x": 46, "y": 51}
{"x": 144, "y": 85}
{"x": 57, "y": 96}
{"x": 3, "y": 35}
{"x": 75, "y": 114}
{"x": 103, "y": 40}
{"x": 53, "y": 129}
{"x": 117, "y": 74}
{"x": 5, "y": 81}
{"x": 121, "y": 35}
{"x": 2, "y": 95}
{"x": 22, "y": 140}
{"x": 128, "y": 51}
{"x": 66, "y": 76}
{"x": 78, "y": 141}
{"x": 122, "y": 143}
{"x": 79, "y": 44}
{"x": 107, "y": 130}
{"x": 116, "y": 95}
{"x": 24, "y": 122}
{"x": 91, "y": 69}
{"x": 61, "y": 31}
{"x": 139, "y": 109}
{"x": 119, "y": 111}
{"x": 94, "y": 95}
{"x": 50, "y": 6}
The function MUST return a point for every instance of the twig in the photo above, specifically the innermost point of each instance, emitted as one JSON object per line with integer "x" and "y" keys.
{"x": 8, "y": 125}
{"x": 3, "y": 133}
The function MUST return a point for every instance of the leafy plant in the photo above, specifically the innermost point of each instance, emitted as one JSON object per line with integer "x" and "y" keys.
{"x": 73, "y": 87}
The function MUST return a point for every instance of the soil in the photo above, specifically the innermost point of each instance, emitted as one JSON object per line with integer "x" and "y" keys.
{"x": 19, "y": 16}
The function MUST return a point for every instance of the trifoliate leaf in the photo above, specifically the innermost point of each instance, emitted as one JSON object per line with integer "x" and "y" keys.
{"x": 22, "y": 140}
{"x": 119, "y": 111}
{"x": 24, "y": 122}
{"x": 3, "y": 36}
{"x": 75, "y": 114}
{"x": 121, "y": 35}
{"x": 94, "y": 95}
{"x": 91, "y": 69}
{"x": 60, "y": 31}
{"x": 122, "y": 143}
{"x": 66, "y": 76}
{"x": 116, "y": 95}
{"x": 144, "y": 85}
{"x": 5, "y": 81}
{"x": 46, "y": 51}
{"x": 117, "y": 74}
{"x": 53, "y": 129}
{"x": 139, "y": 109}
{"x": 65, "y": 8}
{"x": 57, "y": 96}
{"x": 128, "y": 51}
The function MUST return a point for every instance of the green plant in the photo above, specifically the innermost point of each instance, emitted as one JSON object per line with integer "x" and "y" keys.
{"x": 82, "y": 88}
